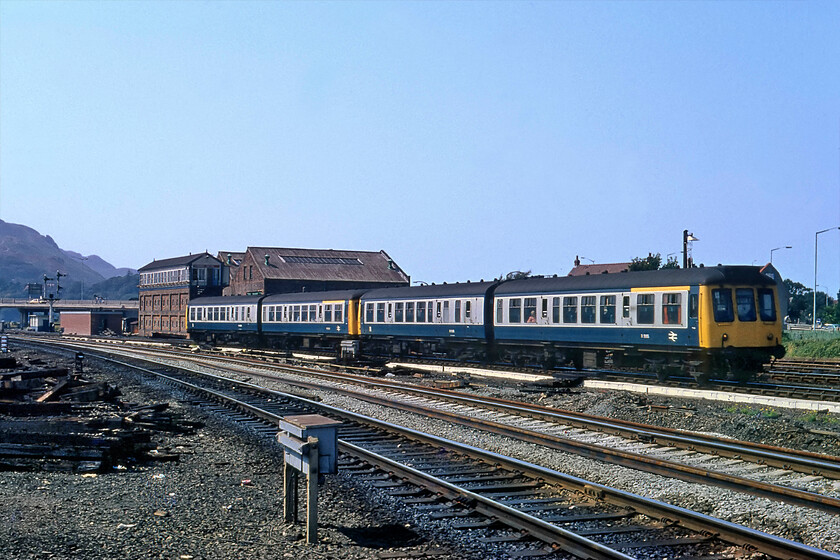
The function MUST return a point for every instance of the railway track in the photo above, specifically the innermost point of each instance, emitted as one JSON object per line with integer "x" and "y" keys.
{"x": 527, "y": 490}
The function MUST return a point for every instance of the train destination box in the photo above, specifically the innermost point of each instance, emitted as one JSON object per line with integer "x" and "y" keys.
{"x": 296, "y": 430}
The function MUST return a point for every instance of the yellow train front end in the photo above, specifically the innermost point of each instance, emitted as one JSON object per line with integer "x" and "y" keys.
{"x": 740, "y": 327}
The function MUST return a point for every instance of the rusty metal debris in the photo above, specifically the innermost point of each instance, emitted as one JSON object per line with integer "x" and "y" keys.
{"x": 54, "y": 419}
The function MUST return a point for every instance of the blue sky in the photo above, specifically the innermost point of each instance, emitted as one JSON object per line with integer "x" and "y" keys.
{"x": 467, "y": 139}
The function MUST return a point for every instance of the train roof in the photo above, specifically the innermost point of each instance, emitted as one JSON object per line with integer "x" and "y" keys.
{"x": 642, "y": 279}
{"x": 225, "y": 300}
{"x": 335, "y": 295}
{"x": 475, "y": 289}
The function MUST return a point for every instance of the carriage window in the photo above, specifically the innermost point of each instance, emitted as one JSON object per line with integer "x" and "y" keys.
{"x": 438, "y": 310}
{"x": 248, "y": 313}
{"x": 746, "y": 304}
{"x": 500, "y": 311}
{"x": 271, "y": 313}
{"x": 467, "y": 310}
{"x": 236, "y": 313}
{"x": 421, "y": 311}
{"x": 766, "y": 305}
{"x": 625, "y": 307}
{"x": 368, "y": 313}
{"x": 446, "y": 316}
{"x": 338, "y": 313}
{"x": 570, "y": 309}
{"x": 457, "y": 310}
{"x": 304, "y": 313}
{"x": 530, "y": 310}
{"x": 192, "y": 313}
{"x": 296, "y": 313}
{"x": 398, "y": 312}
{"x": 390, "y": 311}
{"x": 380, "y": 312}
{"x": 328, "y": 313}
{"x": 545, "y": 308}
{"x": 644, "y": 309}
{"x": 430, "y": 313}
{"x": 555, "y": 310}
{"x": 587, "y": 309}
{"x": 722, "y": 305}
{"x": 671, "y": 309}
{"x": 693, "y": 304}
{"x": 409, "y": 312}
{"x": 515, "y": 310}
{"x": 608, "y": 309}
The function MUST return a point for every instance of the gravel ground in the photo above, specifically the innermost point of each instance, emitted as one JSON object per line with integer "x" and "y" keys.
{"x": 201, "y": 508}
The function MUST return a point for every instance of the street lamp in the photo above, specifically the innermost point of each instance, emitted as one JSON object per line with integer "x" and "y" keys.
{"x": 816, "y": 244}
{"x": 587, "y": 258}
{"x": 776, "y": 249}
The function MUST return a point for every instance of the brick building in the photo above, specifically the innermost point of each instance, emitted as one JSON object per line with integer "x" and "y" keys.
{"x": 272, "y": 270}
{"x": 166, "y": 287}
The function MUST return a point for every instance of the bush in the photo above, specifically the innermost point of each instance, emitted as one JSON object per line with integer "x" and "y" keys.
{"x": 803, "y": 348}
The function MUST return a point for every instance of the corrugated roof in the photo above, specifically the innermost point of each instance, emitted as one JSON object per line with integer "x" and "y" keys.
{"x": 235, "y": 257}
{"x": 326, "y": 265}
{"x": 174, "y": 261}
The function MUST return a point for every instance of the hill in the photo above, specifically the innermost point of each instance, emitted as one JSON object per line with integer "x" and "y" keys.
{"x": 26, "y": 256}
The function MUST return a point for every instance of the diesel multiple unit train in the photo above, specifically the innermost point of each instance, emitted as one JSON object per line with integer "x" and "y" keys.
{"x": 701, "y": 321}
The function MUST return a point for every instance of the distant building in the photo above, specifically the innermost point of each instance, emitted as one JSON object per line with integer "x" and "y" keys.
{"x": 166, "y": 287}
{"x": 272, "y": 270}
{"x": 90, "y": 322}
{"x": 231, "y": 261}
{"x": 605, "y": 268}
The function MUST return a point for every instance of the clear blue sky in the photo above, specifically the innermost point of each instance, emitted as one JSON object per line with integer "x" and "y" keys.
{"x": 467, "y": 139}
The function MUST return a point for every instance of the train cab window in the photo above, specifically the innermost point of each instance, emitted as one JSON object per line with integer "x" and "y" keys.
{"x": 457, "y": 310}
{"x": 766, "y": 305}
{"x": 693, "y": 305}
{"x": 467, "y": 310}
{"x": 530, "y": 310}
{"x": 338, "y": 313}
{"x": 570, "y": 309}
{"x": 745, "y": 298}
{"x": 671, "y": 309}
{"x": 398, "y": 312}
{"x": 515, "y": 310}
{"x": 368, "y": 313}
{"x": 608, "y": 310}
{"x": 555, "y": 310}
{"x": 722, "y": 305}
{"x": 625, "y": 307}
{"x": 587, "y": 309}
{"x": 328, "y": 313}
{"x": 500, "y": 311}
{"x": 409, "y": 312}
{"x": 645, "y": 309}
{"x": 380, "y": 312}
{"x": 421, "y": 311}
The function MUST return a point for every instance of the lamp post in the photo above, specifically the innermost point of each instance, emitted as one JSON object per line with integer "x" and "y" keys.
{"x": 776, "y": 249}
{"x": 816, "y": 244}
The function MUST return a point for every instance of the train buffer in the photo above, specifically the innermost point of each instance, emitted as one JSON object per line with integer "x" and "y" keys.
{"x": 310, "y": 447}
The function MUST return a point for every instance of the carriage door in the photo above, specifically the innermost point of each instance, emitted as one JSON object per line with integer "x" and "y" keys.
{"x": 626, "y": 318}
{"x": 544, "y": 311}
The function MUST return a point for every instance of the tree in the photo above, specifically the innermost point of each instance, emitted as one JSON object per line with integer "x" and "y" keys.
{"x": 651, "y": 262}
{"x": 672, "y": 263}
{"x": 801, "y": 301}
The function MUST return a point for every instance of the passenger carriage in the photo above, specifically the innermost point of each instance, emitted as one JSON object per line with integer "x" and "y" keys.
{"x": 315, "y": 320}
{"x": 445, "y": 320}
{"x": 224, "y": 319}
{"x": 669, "y": 320}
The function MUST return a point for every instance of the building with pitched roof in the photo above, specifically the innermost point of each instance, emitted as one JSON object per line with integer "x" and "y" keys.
{"x": 272, "y": 270}
{"x": 605, "y": 268}
{"x": 166, "y": 287}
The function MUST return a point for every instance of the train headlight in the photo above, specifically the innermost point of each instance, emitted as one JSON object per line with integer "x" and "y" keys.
{"x": 724, "y": 337}
{"x": 770, "y": 336}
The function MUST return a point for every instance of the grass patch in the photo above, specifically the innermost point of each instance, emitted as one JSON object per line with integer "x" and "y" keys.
{"x": 804, "y": 348}
{"x": 820, "y": 417}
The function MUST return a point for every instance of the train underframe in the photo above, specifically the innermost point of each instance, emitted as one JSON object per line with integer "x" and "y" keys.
{"x": 703, "y": 364}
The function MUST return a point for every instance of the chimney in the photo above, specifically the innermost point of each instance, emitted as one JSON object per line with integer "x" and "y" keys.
{"x": 266, "y": 259}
